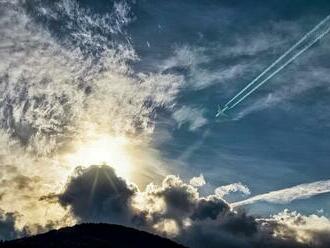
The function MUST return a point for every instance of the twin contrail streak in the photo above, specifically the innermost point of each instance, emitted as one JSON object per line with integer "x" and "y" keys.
{"x": 280, "y": 68}
{"x": 306, "y": 42}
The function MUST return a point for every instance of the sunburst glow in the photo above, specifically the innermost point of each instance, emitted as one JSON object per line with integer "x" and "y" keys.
{"x": 104, "y": 150}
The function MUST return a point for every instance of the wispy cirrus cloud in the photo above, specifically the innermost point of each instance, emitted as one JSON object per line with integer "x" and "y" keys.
{"x": 194, "y": 63}
{"x": 60, "y": 91}
{"x": 191, "y": 116}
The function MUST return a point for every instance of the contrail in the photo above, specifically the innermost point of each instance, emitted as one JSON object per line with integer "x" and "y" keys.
{"x": 279, "y": 59}
{"x": 302, "y": 191}
{"x": 239, "y": 97}
{"x": 281, "y": 68}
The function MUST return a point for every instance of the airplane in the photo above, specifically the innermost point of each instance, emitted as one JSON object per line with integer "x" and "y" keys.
{"x": 221, "y": 111}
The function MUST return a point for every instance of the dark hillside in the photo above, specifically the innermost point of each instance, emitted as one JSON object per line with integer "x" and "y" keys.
{"x": 94, "y": 236}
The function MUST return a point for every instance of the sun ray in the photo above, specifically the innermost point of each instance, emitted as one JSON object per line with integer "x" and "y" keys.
{"x": 103, "y": 149}
{"x": 96, "y": 178}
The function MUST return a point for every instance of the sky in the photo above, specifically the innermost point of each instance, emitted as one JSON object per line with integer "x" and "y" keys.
{"x": 116, "y": 101}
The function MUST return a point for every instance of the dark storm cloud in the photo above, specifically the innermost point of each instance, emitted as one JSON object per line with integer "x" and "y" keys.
{"x": 233, "y": 230}
{"x": 209, "y": 208}
{"x": 321, "y": 239}
{"x": 318, "y": 238}
{"x": 96, "y": 194}
{"x": 180, "y": 204}
{"x": 182, "y": 199}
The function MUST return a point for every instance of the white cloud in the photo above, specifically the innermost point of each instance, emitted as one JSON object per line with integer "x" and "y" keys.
{"x": 302, "y": 191}
{"x": 197, "y": 181}
{"x": 176, "y": 210}
{"x": 194, "y": 117}
{"x": 192, "y": 61}
{"x": 234, "y": 187}
{"x": 175, "y": 205}
{"x": 56, "y": 94}
{"x": 312, "y": 230}
{"x": 51, "y": 93}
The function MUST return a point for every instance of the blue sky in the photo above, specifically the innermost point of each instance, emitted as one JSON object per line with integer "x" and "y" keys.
{"x": 135, "y": 85}
{"x": 276, "y": 139}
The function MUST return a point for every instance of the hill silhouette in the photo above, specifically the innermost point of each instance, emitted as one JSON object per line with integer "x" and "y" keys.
{"x": 94, "y": 236}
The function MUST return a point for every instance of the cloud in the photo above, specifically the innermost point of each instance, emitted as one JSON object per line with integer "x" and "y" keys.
{"x": 312, "y": 230}
{"x": 253, "y": 44}
{"x": 235, "y": 187}
{"x": 192, "y": 116}
{"x": 236, "y": 229}
{"x": 61, "y": 88}
{"x": 176, "y": 210}
{"x": 52, "y": 92}
{"x": 96, "y": 194}
{"x": 231, "y": 230}
{"x": 302, "y": 191}
{"x": 191, "y": 62}
{"x": 198, "y": 181}
{"x": 236, "y": 57}
{"x": 173, "y": 206}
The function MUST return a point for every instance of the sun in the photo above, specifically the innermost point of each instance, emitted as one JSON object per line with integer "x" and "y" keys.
{"x": 104, "y": 149}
